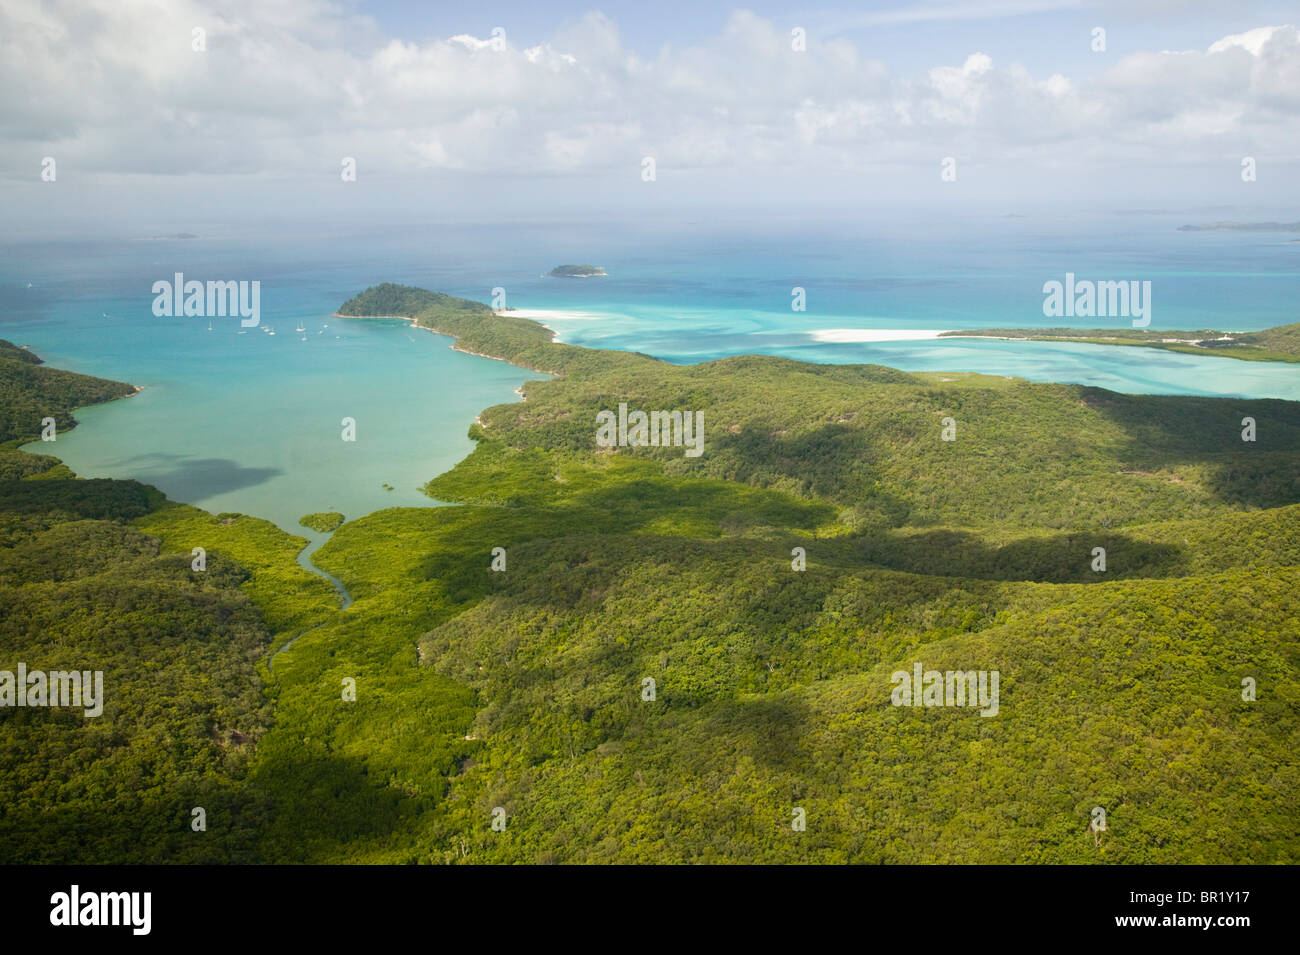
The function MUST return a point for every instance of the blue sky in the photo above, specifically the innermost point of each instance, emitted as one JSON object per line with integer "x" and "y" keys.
{"x": 1042, "y": 34}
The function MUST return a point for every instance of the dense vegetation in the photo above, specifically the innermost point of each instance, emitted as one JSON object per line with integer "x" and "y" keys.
{"x": 322, "y": 521}
{"x": 522, "y": 688}
{"x": 81, "y": 589}
{"x": 1281, "y": 343}
{"x": 576, "y": 271}
{"x": 29, "y": 393}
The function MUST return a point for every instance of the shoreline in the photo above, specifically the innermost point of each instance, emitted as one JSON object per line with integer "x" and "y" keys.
{"x": 851, "y": 336}
{"x": 135, "y": 390}
{"x": 455, "y": 346}
{"x": 252, "y": 512}
{"x": 540, "y": 315}
{"x": 834, "y": 336}
{"x": 532, "y": 315}
{"x": 455, "y": 343}
{"x": 1181, "y": 346}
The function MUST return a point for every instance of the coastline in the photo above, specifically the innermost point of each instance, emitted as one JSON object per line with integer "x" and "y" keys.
{"x": 1183, "y": 346}
{"x": 531, "y": 355}
{"x": 844, "y": 336}
{"x": 274, "y": 504}
{"x": 455, "y": 340}
{"x": 455, "y": 346}
{"x": 135, "y": 390}
{"x": 540, "y": 315}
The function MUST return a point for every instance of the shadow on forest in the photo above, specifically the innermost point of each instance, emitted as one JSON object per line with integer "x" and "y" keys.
{"x": 1164, "y": 430}
{"x": 320, "y": 806}
{"x": 766, "y": 729}
{"x": 129, "y": 829}
{"x": 88, "y": 499}
{"x": 1064, "y": 558}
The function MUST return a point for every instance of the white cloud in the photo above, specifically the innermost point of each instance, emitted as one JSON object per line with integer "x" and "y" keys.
{"x": 287, "y": 87}
{"x": 1252, "y": 41}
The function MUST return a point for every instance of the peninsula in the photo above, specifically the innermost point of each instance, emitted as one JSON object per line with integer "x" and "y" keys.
{"x": 1281, "y": 343}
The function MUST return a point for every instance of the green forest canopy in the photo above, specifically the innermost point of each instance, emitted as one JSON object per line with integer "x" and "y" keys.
{"x": 524, "y": 689}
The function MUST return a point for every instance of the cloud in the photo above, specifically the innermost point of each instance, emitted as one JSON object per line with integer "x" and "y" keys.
{"x": 1252, "y": 41}
{"x": 288, "y": 87}
{"x": 979, "y": 10}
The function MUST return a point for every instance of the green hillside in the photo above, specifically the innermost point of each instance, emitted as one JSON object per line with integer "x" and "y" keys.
{"x": 183, "y": 704}
{"x": 30, "y": 392}
{"x": 523, "y": 689}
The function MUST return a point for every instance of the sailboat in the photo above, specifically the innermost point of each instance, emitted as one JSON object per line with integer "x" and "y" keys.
{"x": 300, "y": 328}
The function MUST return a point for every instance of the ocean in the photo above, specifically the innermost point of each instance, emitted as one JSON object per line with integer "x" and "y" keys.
{"x": 235, "y": 419}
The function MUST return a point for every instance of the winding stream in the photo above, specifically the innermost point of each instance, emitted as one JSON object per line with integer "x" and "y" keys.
{"x": 345, "y": 598}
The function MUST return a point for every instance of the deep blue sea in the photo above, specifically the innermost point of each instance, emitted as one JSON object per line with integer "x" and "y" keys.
{"x": 251, "y": 422}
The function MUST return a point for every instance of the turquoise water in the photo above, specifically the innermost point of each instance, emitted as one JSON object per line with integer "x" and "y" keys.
{"x": 234, "y": 419}
{"x": 251, "y": 422}
{"x": 1128, "y": 369}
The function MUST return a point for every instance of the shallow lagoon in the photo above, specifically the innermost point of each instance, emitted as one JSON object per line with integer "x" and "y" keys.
{"x": 251, "y": 422}
{"x": 1131, "y": 369}
{"x": 255, "y": 425}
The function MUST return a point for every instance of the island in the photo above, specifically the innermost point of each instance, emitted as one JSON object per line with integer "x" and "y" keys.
{"x": 1242, "y": 227}
{"x": 576, "y": 271}
{"x": 1281, "y": 343}
{"x": 323, "y": 521}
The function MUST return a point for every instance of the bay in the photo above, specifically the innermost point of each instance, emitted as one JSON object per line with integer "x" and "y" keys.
{"x": 234, "y": 419}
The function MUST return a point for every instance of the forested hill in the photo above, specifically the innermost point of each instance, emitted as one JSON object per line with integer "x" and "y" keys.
{"x": 82, "y": 588}
{"x": 1124, "y": 685}
{"x": 625, "y": 654}
{"x": 30, "y": 392}
{"x": 868, "y": 438}
{"x": 10, "y": 350}
{"x": 478, "y": 329}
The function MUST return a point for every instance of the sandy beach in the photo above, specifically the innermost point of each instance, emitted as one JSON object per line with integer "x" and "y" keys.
{"x": 844, "y": 335}
{"x": 541, "y": 314}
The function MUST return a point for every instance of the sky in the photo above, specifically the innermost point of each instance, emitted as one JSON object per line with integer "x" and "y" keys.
{"x": 173, "y": 112}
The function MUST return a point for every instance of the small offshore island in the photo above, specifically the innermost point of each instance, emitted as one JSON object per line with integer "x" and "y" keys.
{"x": 576, "y": 271}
